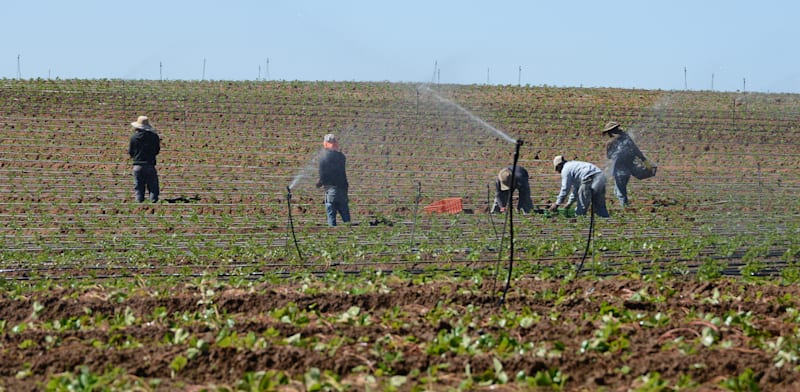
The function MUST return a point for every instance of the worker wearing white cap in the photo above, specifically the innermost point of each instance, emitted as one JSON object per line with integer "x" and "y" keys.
{"x": 585, "y": 183}
{"x": 333, "y": 176}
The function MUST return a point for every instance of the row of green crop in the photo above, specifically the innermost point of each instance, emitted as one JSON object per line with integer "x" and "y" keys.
{"x": 383, "y": 175}
{"x": 503, "y": 336}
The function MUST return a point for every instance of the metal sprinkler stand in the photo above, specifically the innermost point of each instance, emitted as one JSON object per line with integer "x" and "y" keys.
{"x": 291, "y": 222}
{"x": 417, "y": 199}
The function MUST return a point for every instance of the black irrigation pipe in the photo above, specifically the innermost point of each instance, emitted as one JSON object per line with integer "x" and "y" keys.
{"x": 417, "y": 199}
{"x": 291, "y": 223}
{"x": 491, "y": 207}
{"x": 288, "y": 272}
{"x": 588, "y": 237}
{"x": 692, "y": 265}
{"x": 509, "y": 210}
{"x": 499, "y": 241}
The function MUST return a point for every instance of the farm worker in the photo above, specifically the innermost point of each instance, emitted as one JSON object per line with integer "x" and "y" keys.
{"x": 333, "y": 177}
{"x": 144, "y": 145}
{"x": 621, "y": 152}
{"x": 584, "y": 182}
{"x": 503, "y": 195}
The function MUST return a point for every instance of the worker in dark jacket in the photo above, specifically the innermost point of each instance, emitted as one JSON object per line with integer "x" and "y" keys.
{"x": 503, "y": 194}
{"x": 333, "y": 177}
{"x": 144, "y": 145}
{"x": 621, "y": 152}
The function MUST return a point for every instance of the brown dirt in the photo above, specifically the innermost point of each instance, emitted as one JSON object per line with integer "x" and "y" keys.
{"x": 565, "y": 319}
{"x": 237, "y": 145}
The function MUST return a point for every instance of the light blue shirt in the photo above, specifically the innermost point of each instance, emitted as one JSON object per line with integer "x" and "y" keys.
{"x": 572, "y": 175}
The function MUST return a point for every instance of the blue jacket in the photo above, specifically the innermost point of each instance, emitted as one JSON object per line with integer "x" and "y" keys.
{"x": 332, "y": 169}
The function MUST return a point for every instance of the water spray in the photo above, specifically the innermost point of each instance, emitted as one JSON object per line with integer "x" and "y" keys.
{"x": 510, "y": 212}
{"x": 291, "y": 222}
{"x": 471, "y": 116}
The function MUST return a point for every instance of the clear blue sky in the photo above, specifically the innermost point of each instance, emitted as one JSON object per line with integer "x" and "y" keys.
{"x": 631, "y": 44}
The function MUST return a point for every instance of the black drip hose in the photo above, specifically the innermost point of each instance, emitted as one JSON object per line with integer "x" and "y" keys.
{"x": 291, "y": 222}
{"x": 491, "y": 206}
{"x": 591, "y": 230}
{"x": 500, "y": 239}
{"x": 510, "y": 209}
{"x": 417, "y": 199}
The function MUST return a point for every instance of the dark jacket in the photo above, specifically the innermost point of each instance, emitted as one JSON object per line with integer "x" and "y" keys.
{"x": 332, "y": 169}
{"x": 144, "y": 147}
{"x": 621, "y": 150}
{"x": 520, "y": 180}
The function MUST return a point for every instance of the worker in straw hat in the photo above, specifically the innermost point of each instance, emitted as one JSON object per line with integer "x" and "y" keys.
{"x": 622, "y": 154}
{"x": 144, "y": 145}
{"x": 333, "y": 177}
{"x": 585, "y": 183}
{"x": 503, "y": 194}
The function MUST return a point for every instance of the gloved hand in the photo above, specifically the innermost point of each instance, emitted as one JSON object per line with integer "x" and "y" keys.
{"x": 319, "y": 184}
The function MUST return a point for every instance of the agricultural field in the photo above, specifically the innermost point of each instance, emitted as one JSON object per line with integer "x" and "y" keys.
{"x": 234, "y": 281}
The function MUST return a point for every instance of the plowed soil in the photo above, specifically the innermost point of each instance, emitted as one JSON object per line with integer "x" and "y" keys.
{"x": 650, "y": 349}
{"x": 693, "y": 291}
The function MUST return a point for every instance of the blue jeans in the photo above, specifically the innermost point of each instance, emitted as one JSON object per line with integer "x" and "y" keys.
{"x": 621, "y": 179}
{"x": 336, "y": 202}
{"x": 145, "y": 177}
{"x": 592, "y": 192}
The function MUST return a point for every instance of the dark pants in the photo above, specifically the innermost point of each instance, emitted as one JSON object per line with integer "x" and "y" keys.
{"x": 145, "y": 177}
{"x": 336, "y": 201}
{"x": 592, "y": 192}
{"x": 621, "y": 178}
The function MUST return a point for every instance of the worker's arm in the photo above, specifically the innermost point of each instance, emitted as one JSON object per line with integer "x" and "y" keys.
{"x": 565, "y": 185}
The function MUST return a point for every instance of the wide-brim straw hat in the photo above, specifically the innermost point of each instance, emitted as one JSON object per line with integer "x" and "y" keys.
{"x": 142, "y": 123}
{"x": 610, "y": 126}
{"x": 504, "y": 176}
{"x": 559, "y": 159}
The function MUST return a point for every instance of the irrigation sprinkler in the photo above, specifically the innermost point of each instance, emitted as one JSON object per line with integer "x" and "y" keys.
{"x": 291, "y": 222}
{"x": 591, "y": 230}
{"x": 491, "y": 206}
{"x": 760, "y": 186}
{"x": 416, "y": 208}
{"x": 499, "y": 244}
{"x": 510, "y": 212}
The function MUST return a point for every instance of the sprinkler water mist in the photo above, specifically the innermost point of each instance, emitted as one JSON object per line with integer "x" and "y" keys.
{"x": 510, "y": 212}
{"x": 291, "y": 222}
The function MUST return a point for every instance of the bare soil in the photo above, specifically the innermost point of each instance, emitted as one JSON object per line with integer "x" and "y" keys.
{"x": 565, "y": 320}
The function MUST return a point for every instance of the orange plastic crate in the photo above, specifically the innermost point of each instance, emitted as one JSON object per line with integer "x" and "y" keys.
{"x": 452, "y": 205}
